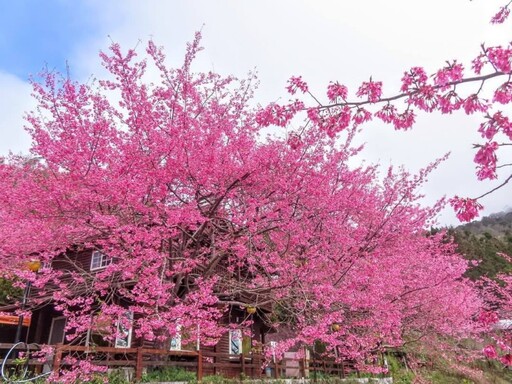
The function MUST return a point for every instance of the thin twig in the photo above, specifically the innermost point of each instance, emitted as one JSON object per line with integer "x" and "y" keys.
{"x": 495, "y": 189}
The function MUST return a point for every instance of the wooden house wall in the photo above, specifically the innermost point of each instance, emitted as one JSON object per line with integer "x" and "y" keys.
{"x": 73, "y": 261}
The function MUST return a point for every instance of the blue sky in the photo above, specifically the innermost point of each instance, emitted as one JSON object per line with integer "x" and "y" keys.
{"x": 35, "y": 33}
{"x": 322, "y": 40}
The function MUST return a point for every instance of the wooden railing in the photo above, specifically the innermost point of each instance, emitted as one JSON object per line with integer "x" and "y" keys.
{"x": 137, "y": 358}
{"x": 27, "y": 350}
{"x": 201, "y": 362}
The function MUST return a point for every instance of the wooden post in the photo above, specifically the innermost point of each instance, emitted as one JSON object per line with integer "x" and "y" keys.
{"x": 199, "y": 366}
{"x": 305, "y": 363}
{"x": 276, "y": 367}
{"x": 342, "y": 369}
{"x": 242, "y": 364}
{"x": 215, "y": 360}
{"x": 57, "y": 358}
{"x": 257, "y": 362}
{"x": 138, "y": 364}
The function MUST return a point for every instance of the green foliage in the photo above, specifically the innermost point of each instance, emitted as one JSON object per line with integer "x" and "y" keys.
{"x": 113, "y": 377}
{"x": 169, "y": 374}
{"x": 214, "y": 379}
{"x": 13, "y": 379}
{"x": 444, "y": 377}
{"x": 219, "y": 379}
{"x": 322, "y": 377}
{"x": 400, "y": 374}
{"x": 483, "y": 241}
{"x": 441, "y": 371}
{"x": 116, "y": 378}
{"x": 496, "y": 372}
{"x": 9, "y": 293}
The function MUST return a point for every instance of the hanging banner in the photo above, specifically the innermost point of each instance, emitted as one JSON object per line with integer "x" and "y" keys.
{"x": 124, "y": 330}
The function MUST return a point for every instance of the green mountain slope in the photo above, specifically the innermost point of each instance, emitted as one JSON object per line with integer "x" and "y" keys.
{"x": 483, "y": 241}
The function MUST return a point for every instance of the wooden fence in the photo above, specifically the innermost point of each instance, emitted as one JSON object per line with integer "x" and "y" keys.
{"x": 202, "y": 362}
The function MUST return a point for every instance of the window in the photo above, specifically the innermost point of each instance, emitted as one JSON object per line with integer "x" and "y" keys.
{"x": 99, "y": 260}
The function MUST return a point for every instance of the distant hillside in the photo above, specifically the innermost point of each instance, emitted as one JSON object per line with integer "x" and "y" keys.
{"x": 498, "y": 225}
{"x": 482, "y": 240}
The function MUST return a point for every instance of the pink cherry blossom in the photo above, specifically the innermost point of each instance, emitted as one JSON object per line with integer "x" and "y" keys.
{"x": 452, "y": 73}
{"x": 486, "y": 160}
{"x": 474, "y": 104}
{"x": 488, "y": 318}
{"x": 449, "y": 102}
{"x": 495, "y": 124}
{"x": 387, "y": 114}
{"x": 503, "y": 94}
{"x": 361, "y": 116}
{"x": 371, "y": 89}
{"x": 507, "y": 359}
{"x": 466, "y": 209}
{"x": 336, "y": 90}
{"x": 501, "y": 16}
{"x": 414, "y": 79}
{"x": 490, "y": 352}
{"x": 296, "y": 83}
{"x": 500, "y": 58}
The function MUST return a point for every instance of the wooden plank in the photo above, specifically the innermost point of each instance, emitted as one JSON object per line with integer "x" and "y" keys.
{"x": 82, "y": 348}
{"x": 16, "y": 362}
{"x": 167, "y": 352}
{"x": 57, "y": 359}
{"x": 192, "y": 364}
{"x": 13, "y": 320}
{"x": 10, "y": 345}
{"x": 199, "y": 366}
{"x": 214, "y": 359}
{"x": 242, "y": 363}
{"x": 116, "y": 363}
{"x": 138, "y": 365}
{"x": 222, "y": 365}
{"x": 227, "y": 355}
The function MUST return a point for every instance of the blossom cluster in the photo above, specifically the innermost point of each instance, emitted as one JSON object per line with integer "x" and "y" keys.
{"x": 486, "y": 160}
{"x": 501, "y": 15}
{"x": 371, "y": 89}
{"x": 466, "y": 209}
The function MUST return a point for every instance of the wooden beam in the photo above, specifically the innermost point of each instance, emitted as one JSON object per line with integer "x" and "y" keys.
{"x": 13, "y": 320}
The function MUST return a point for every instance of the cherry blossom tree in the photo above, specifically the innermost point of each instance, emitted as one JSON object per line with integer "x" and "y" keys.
{"x": 203, "y": 203}
{"x": 199, "y": 211}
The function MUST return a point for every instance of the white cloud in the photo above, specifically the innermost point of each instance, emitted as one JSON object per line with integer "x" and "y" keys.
{"x": 14, "y": 101}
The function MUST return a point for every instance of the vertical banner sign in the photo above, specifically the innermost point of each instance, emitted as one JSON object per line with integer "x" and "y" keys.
{"x": 124, "y": 330}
